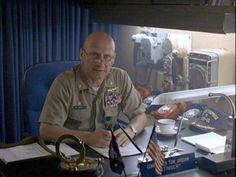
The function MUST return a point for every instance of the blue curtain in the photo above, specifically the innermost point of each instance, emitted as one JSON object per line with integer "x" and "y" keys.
{"x": 2, "y": 120}
{"x": 35, "y": 31}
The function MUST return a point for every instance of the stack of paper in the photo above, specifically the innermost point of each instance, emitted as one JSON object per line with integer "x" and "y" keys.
{"x": 22, "y": 152}
{"x": 30, "y": 151}
{"x": 128, "y": 150}
{"x": 209, "y": 142}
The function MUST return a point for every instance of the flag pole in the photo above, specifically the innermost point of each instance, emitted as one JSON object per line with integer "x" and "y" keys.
{"x": 144, "y": 155}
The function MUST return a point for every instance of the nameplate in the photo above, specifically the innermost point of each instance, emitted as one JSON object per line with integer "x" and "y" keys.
{"x": 171, "y": 165}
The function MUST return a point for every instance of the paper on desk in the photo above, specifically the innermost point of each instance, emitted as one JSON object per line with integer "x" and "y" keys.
{"x": 30, "y": 151}
{"x": 65, "y": 149}
{"x": 128, "y": 150}
{"x": 209, "y": 142}
{"x": 22, "y": 152}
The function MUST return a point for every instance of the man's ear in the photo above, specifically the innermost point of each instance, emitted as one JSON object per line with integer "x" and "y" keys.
{"x": 114, "y": 59}
{"x": 81, "y": 54}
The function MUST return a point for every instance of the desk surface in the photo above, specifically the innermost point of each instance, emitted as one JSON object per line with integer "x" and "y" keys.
{"x": 141, "y": 140}
{"x": 131, "y": 162}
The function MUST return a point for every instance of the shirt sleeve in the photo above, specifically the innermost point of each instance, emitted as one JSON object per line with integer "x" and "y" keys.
{"x": 57, "y": 102}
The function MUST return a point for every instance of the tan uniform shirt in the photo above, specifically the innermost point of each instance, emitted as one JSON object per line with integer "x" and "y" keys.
{"x": 72, "y": 103}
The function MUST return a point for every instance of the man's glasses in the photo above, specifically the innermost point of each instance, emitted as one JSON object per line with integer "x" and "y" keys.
{"x": 97, "y": 58}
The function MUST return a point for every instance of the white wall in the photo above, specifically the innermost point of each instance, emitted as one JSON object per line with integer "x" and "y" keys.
{"x": 199, "y": 40}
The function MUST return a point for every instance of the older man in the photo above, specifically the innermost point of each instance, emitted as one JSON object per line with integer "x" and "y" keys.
{"x": 81, "y": 101}
{"x": 85, "y": 100}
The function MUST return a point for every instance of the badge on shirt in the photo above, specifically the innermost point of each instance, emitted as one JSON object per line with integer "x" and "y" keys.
{"x": 79, "y": 106}
{"x": 112, "y": 98}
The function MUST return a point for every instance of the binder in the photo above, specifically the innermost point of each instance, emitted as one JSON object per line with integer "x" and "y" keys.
{"x": 27, "y": 160}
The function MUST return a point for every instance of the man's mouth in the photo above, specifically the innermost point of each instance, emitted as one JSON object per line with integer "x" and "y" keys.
{"x": 98, "y": 70}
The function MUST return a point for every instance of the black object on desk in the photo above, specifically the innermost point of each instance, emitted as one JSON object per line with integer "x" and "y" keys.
{"x": 44, "y": 166}
{"x": 31, "y": 167}
{"x": 217, "y": 163}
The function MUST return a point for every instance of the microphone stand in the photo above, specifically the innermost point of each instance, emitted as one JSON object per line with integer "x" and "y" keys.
{"x": 178, "y": 131}
{"x": 174, "y": 150}
{"x": 232, "y": 116}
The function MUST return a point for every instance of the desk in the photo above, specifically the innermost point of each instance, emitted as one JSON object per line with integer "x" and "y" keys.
{"x": 141, "y": 140}
{"x": 131, "y": 162}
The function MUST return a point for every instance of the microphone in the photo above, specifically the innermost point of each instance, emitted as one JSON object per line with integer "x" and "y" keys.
{"x": 178, "y": 131}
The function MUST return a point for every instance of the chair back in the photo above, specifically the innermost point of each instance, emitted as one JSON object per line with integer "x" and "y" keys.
{"x": 37, "y": 81}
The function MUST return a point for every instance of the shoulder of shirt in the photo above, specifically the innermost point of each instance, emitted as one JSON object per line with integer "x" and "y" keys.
{"x": 67, "y": 75}
{"x": 119, "y": 76}
{"x": 118, "y": 71}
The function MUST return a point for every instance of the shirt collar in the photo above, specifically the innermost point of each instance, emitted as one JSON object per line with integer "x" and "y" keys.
{"x": 82, "y": 84}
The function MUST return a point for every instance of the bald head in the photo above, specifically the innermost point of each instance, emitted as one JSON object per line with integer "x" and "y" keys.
{"x": 97, "y": 57}
{"x": 100, "y": 38}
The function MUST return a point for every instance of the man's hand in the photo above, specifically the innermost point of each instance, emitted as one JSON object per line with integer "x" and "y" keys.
{"x": 121, "y": 138}
{"x": 99, "y": 138}
{"x": 157, "y": 156}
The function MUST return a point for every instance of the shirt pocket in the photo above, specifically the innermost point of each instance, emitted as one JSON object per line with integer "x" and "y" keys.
{"x": 78, "y": 118}
{"x": 112, "y": 111}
